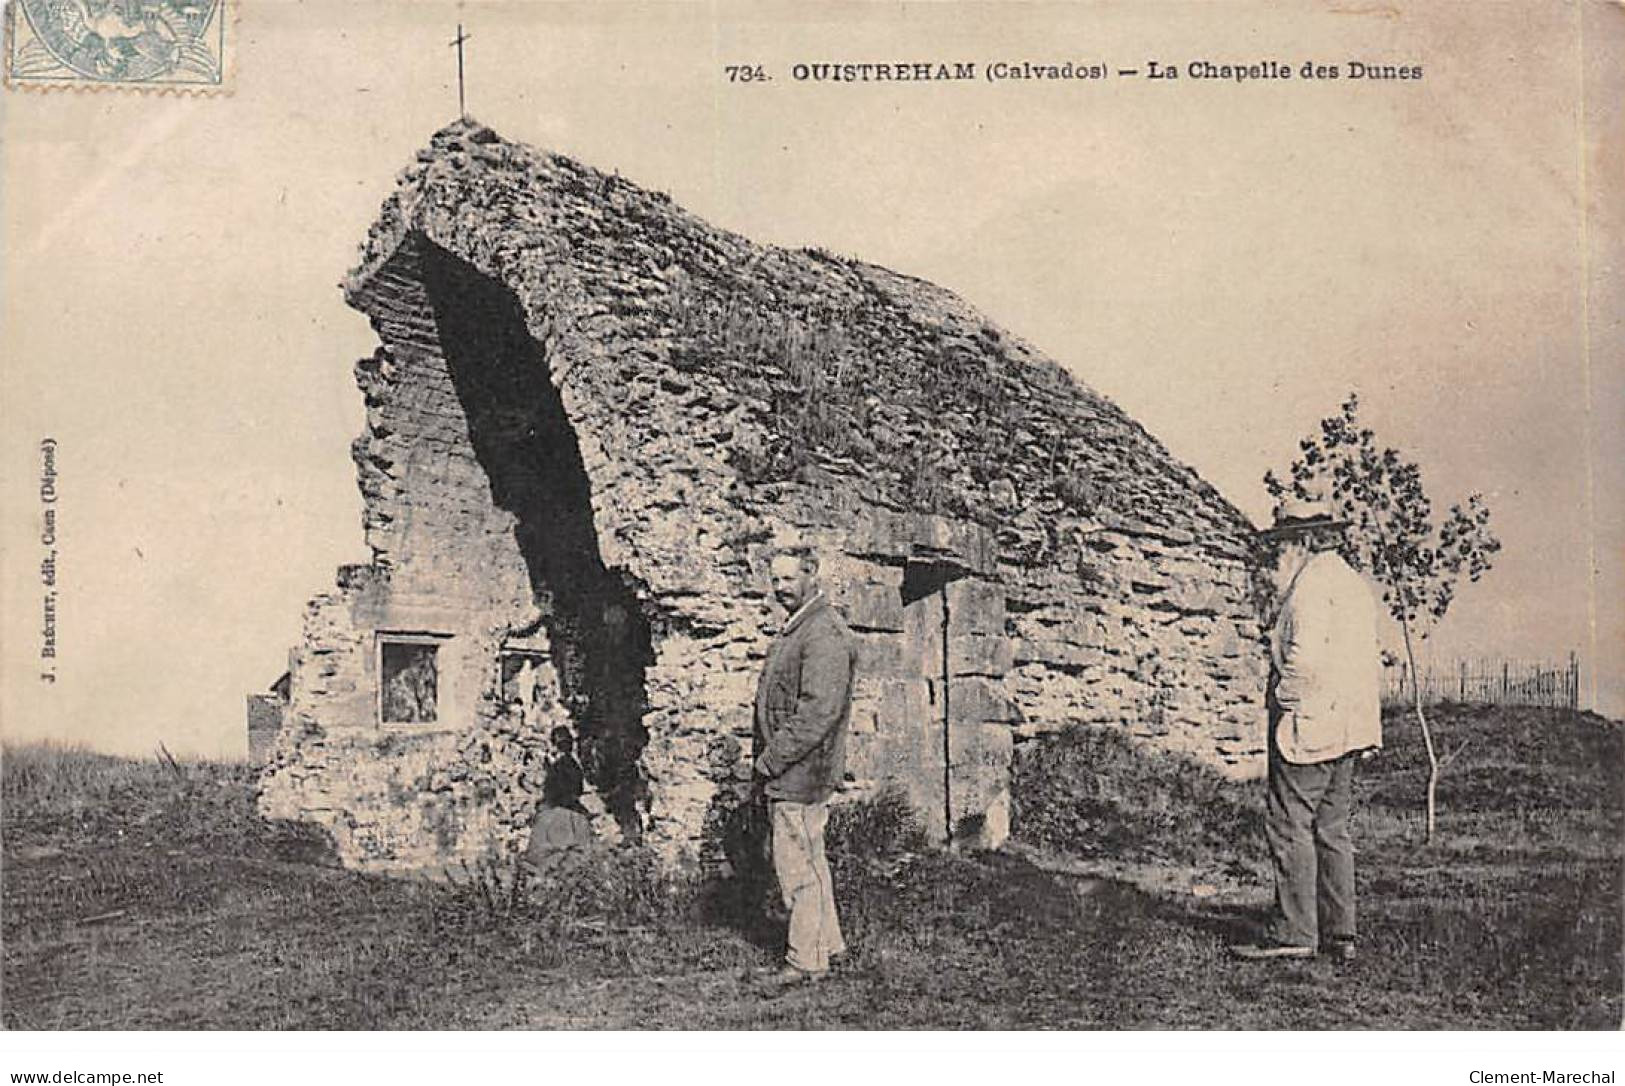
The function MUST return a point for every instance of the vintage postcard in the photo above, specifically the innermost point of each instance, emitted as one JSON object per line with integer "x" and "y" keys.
{"x": 954, "y": 516}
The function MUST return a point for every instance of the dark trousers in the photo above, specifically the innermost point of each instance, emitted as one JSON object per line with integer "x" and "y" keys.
{"x": 1306, "y": 822}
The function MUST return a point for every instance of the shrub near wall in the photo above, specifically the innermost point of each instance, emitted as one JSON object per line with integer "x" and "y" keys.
{"x": 1093, "y": 792}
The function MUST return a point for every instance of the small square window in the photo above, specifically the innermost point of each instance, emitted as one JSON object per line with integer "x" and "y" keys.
{"x": 409, "y": 682}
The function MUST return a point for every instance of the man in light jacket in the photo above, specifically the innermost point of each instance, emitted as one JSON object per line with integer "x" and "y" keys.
{"x": 1323, "y": 699}
{"x": 803, "y": 711}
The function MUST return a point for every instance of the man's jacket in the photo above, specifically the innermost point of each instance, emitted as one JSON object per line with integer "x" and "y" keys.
{"x": 1327, "y": 669}
{"x": 804, "y": 706}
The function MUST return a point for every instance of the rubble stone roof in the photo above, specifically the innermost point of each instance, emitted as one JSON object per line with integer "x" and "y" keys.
{"x": 820, "y": 368}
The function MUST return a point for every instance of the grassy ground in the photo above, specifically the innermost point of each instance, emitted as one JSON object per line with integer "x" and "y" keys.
{"x": 140, "y": 895}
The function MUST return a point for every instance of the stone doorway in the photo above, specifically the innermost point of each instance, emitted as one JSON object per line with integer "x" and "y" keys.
{"x": 926, "y": 628}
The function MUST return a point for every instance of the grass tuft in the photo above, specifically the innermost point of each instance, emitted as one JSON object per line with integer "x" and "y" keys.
{"x": 1094, "y": 792}
{"x": 877, "y": 827}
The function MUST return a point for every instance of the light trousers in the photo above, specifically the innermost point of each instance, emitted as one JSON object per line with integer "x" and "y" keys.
{"x": 804, "y": 879}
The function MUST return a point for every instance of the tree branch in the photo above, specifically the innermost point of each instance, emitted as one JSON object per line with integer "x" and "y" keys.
{"x": 1453, "y": 755}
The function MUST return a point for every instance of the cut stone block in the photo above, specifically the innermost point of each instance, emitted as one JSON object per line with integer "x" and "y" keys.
{"x": 980, "y": 746}
{"x": 906, "y": 706}
{"x": 975, "y": 607}
{"x": 870, "y": 606}
{"x": 879, "y": 655}
{"x": 979, "y": 654}
{"x": 979, "y": 784}
{"x": 978, "y": 700}
{"x": 911, "y": 763}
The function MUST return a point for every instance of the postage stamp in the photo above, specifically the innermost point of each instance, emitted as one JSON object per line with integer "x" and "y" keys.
{"x": 178, "y": 45}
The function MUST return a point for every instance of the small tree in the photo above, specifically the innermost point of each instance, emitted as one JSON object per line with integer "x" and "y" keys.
{"x": 1393, "y": 537}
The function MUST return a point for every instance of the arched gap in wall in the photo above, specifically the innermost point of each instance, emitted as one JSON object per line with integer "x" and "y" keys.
{"x": 528, "y": 448}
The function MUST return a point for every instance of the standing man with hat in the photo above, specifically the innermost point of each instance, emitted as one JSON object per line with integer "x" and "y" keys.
{"x": 1324, "y": 711}
{"x": 803, "y": 710}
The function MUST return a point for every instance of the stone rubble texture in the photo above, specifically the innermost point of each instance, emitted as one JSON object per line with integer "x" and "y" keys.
{"x": 1014, "y": 554}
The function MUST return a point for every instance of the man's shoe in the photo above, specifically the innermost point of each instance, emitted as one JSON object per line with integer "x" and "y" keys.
{"x": 789, "y": 976}
{"x": 1340, "y": 950}
{"x": 1269, "y": 952}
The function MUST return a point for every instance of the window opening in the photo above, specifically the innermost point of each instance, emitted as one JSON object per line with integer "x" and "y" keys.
{"x": 408, "y": 680}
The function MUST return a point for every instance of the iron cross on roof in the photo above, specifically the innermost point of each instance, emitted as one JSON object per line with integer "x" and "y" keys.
{"x": 462, "y": 109}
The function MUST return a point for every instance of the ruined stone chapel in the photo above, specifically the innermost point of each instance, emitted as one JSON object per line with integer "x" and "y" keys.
{"x": 590, "y": 417}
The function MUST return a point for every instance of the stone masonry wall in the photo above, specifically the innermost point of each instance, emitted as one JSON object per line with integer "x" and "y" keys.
{"x": 1014, "y": 555}
{"x": 419, "y": 795}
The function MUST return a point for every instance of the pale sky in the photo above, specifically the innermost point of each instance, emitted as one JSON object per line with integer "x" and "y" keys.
{"x": 1225, "y": 261}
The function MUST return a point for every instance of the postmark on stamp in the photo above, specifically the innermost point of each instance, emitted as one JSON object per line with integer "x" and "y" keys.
{"x": 138, "y": 44}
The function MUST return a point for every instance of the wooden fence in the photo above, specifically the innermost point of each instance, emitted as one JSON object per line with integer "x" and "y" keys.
{"x": 1488, "y": 682}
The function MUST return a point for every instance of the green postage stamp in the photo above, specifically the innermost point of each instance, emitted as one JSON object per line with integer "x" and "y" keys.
{"x": 177, "y": 45}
